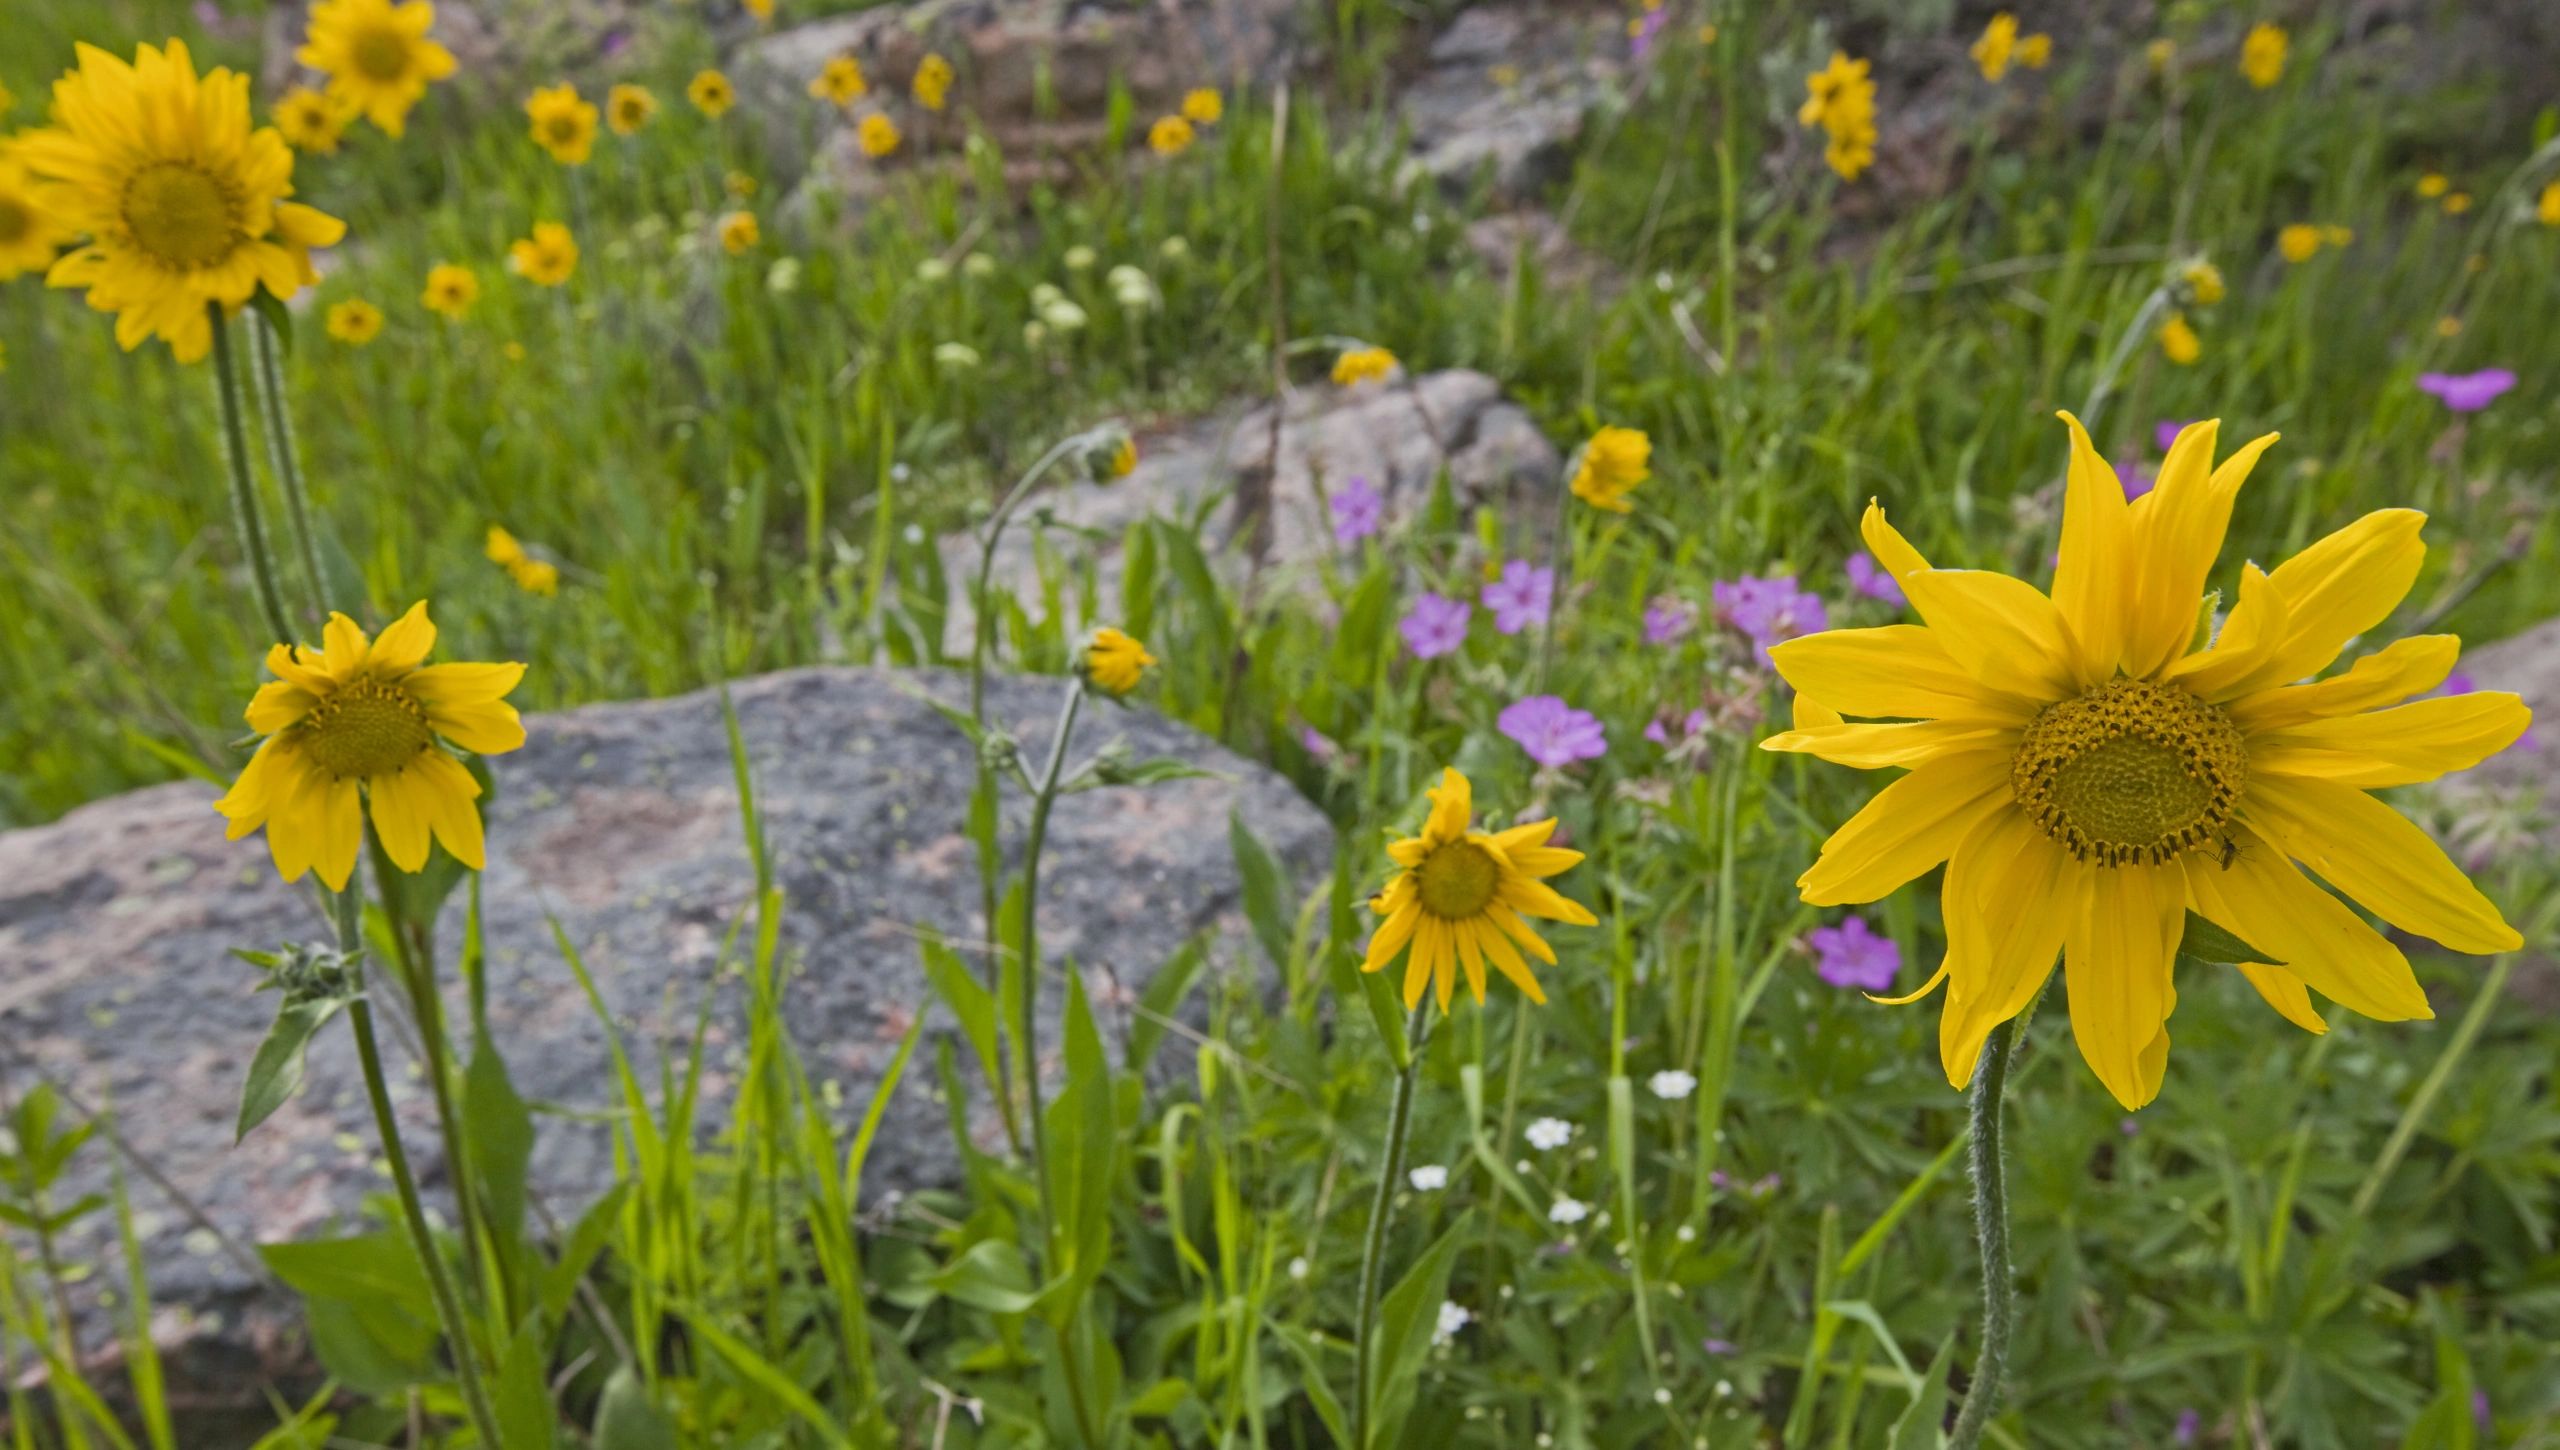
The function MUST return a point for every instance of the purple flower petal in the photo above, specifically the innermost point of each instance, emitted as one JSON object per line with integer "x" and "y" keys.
{"x": 1434, "y": 626}
{"x": 1522, "y": 597}
{"x": 1850, "y": 955}
{"x": 1553, "y": 732}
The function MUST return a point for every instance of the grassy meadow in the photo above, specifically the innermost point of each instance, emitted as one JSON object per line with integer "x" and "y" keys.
{"x": 1704, "y": 1195}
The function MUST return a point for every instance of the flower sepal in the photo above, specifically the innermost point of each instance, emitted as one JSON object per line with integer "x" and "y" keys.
{"x": 315, "y": 984}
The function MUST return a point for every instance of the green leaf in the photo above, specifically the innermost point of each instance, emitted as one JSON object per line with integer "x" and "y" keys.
{"x": 587, "y": 1239}
{"x": 1319, "y": 1389}
{"x": 498, "y": 1135}
{"x": 1266, "y": 890}
{"x": 971, "y": 1004}
{"x": 627, "y": 1419}
{"x": 1160, "y": 1399}
{"x": 1407, "y": 1318}
{"x": 2205, "y": 942}
{"x": 522, "y": 1394}
{"x": 1162, "y": 999}
{"x": 277, "y": 317}
{"x": 1921, "y": 1425}
{"x": 275, "y": 1073}
{"x": 990, "y": 1276}
{"x": 1083, "y": 1145}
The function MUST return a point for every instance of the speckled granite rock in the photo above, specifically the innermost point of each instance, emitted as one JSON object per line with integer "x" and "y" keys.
{"x": 1505, "y": 91}
{"x": 622, "y": 820}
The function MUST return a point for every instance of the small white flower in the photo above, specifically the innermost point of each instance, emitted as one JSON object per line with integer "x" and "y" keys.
{"x": 1063, "y": 315}
{"x": 1034, "y": 333}
{"x": 957, "y": 357}
{"x": 783, "y": 277}
{"x": 1173, "y": 249}
{"x": 1549, "y": 1134}
{"x": 1568, "y": 1210}
{"x": 1661, "y": 1395}
{"x": 932, "y": 269}
{"x": 1079, "y": 258}
{"x": 1429, "y": 1178}
{"x": 978, "y": 264}
{"x": 1298, "y": 1268}
{"x": 1671, "y": 1084}
{"x": 1453, "y": 1317}
{"x": 1044, "y": 293}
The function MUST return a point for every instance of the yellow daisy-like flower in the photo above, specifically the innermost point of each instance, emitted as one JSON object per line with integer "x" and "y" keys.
{"x": 738, "y": 184}
{"x": 1170, "y": 136}
{"x": 2160, "y": 54}
{"x": 2434, "y": 184}
{"x": 760, "y": 9}
{"x": 2178, "y": 341}
{"x": 539, "y": 577}
{"x": 311, "y": 122}
{"x": 1461, "y": 897}
{"x": 451, "y": 290}
{"x": 840, "y": 82}
{"x": 564, "y": 123}
{"x": 711, "y": 93}
{"x": 2457, "y": 202}
{"x": 1204, "y": 107}
{"x": 503, "y": 548}
{"x": 1841, "y": 99}
{"x": 2035, "y": 51}
{"x": 627, "y": 108}
{"x": 1361, "y": 365}
{"x": 1998, "y": 45}
{"x": 1114, "y": 662}
{"x": 183, "y": 203}
{"x": 30, "y": 231}
{"x": 2298, "y": 242}
{"x": 1124, "y": 459}
{"x": 2203, "y": 282}
{"x": 355, "y": 321}
{"x": 2262, "y": 54}
{"x": 877, "y": 135}
{"x": 360, "y": 726}
{"x": 932, "y": 84}
{"x": 739, "y": 233}
{"x": 1610, "y": 467}
{"x": 376, "y": 55}
{"x": 2091, "y": 772}
{"x": 547, "y": 257}
{"x": 2546, "y": 208}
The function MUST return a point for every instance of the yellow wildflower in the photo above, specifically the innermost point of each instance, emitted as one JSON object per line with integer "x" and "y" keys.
{"x": 2178, "y": 341}
{"x": 932, "y": 84}
{"x": 1204, "y": 107}
{"x": 1610, "y": 466}
{"x": 2298, "y": 241}
{"x": 2203, "y": 282}
{"x": 710, "y": 93}
{"x": 310, "y": 122}
{"x": 547, "y": 257}
{"x": 1841, "y": 99}
{"x": 2434, "y": 184}
{"x": 564, "y": 123}
{"x": 1113, "y": 662}
{"x": 2262, "y": 54}
{"x": 877, "y": 135}
{"x": 2035, "y": 51}
{"x": 2546, "y": 208}
{"x": 627, "y": 108}
{"x": 1999, "y": 42}
{"x": 1461, "y": 898}
{"x": 376, "y": 55}
{"x": 30, "y": 230}
{"x": 739, "y": 233}
{"x": 451, "y": 290}
{"x": 354, "y": 321}
{"x": 1361, "y": 364}
{"x": 1169, "y": 136}
{"x": 840, "y": 82}
{"x": 2456, "y": 203}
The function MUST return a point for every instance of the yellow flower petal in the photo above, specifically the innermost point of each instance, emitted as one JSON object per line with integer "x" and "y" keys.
{"x": 2116, "y": 973}
{"x": 343, "y": 647}
{"x": 335, "y": 817}
{"x": 453, "y": 797}
{"x": 1896, "y": 671}
{"x": 2377, "y": 856}
{"x": 1884, "y": 541}
{"x": 2400, "y": 746}
{"x": 2389, "y": 675}
{"x": 2284, "y": 992}
{"x": 2338, "y": 588}
{"x": 1392, "y": 935}
{"x": 1507, "y": 960}
{"x": 404, "y": 643}
{"x": 2002, "y": 631}
{"x": 2255, "y": 630}
{"x": 1874, "y": 747}
{"x": 1910, "y": 826}
{"x": 402, "y": 809}
{"x": 1452, "y": 806}
{"x": 2264, "y": 901}
{"x": 2009, "y": 900}
{"x": 2092, "y": 581}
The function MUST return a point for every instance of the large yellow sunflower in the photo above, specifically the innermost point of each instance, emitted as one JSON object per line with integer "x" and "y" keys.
{"x": 182, "y": 201}
{"x": 1460, "y": 896}
{"x": 355, "y": 725}
{"x": 2091, "y": 768}
{"x": 377, "y": 56}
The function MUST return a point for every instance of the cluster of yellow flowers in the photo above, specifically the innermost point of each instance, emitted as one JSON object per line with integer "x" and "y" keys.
{"x": 1361, "y": 365}
{"x": 532, "y": 575}
{"x": 2001, "y": 44}
{"x": 2303, "y": 240}
{"x": 1172, "y": 135}
{"x": 1841, "y": 99}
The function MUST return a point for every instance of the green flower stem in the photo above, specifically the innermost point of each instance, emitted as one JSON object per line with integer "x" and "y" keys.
{"x": 1373, "y": 1251}
{"x": 1027, "y": 1030}
{"x": 1991, "y": 1230}
{"x": 349, "y": 911}
{"x": 285, "y": 457}
{"x": 244, "y": 485}
{"x": 983, "y": 627}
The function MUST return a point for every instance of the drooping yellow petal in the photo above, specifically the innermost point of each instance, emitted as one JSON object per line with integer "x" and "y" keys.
{"x": 2284, "y": 992}
{"x": 1537, "y": 898}
{"x": 1909, "y": 827}
{"x": 462, "y": 684}
{"x": 2402, "y": 746}
{"x": 2338, "y": 588}
{"x": 491, "y": 729}
{"x": 1471, "y": 955}
{"x": 1875, "y": 747}
{"x": 1427, "y": 935}
{"x": 2092, "y": 581}
{"x": 2116, "y": 972}
{"x": 1521, "y": 932}
{"x": 1507, "y": 960}
{"x": 2389, "y": 675}
{"x": 2378, "y": 857}
{"x": 1392, "y": 934}
{"x": 336, "y": 820}
{"x": 2010, "y": 898}
{"x": 2264, "y": 901}
{"x": 403, "y": 810}
{"x": 1893, "y": 672}
{"x": 453, "y": 796}
{"x": 277, "y": 704}
{"x": 2002, "y": 631}
{"x": 1885, "y": 541}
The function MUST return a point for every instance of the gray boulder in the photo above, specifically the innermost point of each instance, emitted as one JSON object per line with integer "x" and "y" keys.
{"x": 621, "y": 822}
{"x": 1505, "y": 91}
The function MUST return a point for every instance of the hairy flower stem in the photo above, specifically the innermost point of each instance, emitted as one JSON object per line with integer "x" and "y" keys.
{"x": 1373, "y": 1251}
{"x": 1991, "y": 1231}
{"x": 349, "y": 909}
{"x": 285, "y": 457}
{"x": 982, "y": 629}
{"x": 1027, "y": 1031}
{"x": 244, "y": 485}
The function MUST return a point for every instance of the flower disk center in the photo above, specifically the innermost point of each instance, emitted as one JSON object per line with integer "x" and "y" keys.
{"x": 1458, "y": 881}
{"x": 382, "y": 53}
{"x": 2131, "y": 772}
{"x": 181, "y": 215}
{"x": 365, "y": 730}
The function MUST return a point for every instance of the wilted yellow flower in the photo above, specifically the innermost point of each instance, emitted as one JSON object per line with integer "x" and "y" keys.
{"x": 877, "y": 135}
{"x": 2333, "y": 235}
{"x": 30, "y": 232}
{"x": 739, "y": 233}
{"x": 310, "y": 122}
{"x": 1459, "y": 898}
{"x": 376, "y": 55}
{"x": 1361, "y": 364}
{"x": 451, "y": 290}
{"x": 183, "y": 204}
{"x": 1841, "y": 99}
{"x": 2262, "y": 54}
{"x": 355, "y": 321}
{"x": 362, "y": 727}
{"x": 710, "y": 93}
{"x": 1610, "y": 466}
{"x": 564, "y": 124}
{"x": 738, "y": 184}
{"x": 1998, "y": 42}
{"x": 932, "y": 84}
{"x": 1114, "y": 663}
{"x": 840, "y": 82}
{"x": 627, "y": 108}
{"x": 547, "y": 257}
{"x": 2178, "y": 341}
{"x": 1169, "y": 136}
{"x": 1204, "y": 107}
{"x": 2203, "y": 282}
{"x": 2434, "y": 184}
{"x": 2159, "y": 54}
{"x": 2035, "y": 51}
{"x": 2456, "y": 203}
{"x": 2546, "y": 209}
{"x": 2091, "y": 768}
{"x": 2298, "y": 241}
